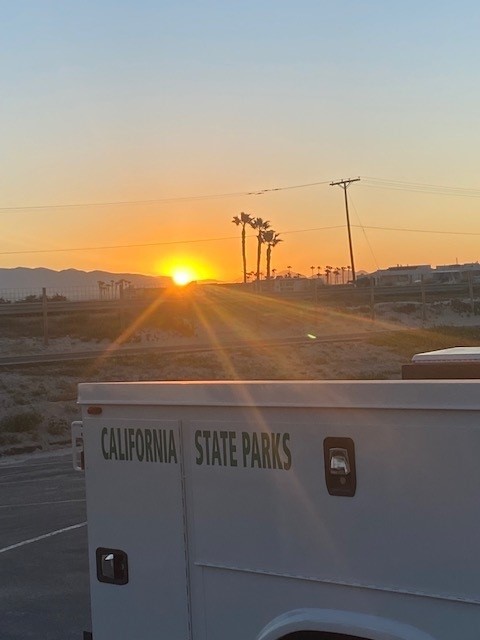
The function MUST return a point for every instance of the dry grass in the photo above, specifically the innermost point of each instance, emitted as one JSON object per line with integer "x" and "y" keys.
{"x": 408, "y": 343}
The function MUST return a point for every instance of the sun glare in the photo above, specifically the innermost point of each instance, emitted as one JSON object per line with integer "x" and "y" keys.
{"x": 182, "y": 276}
{"x": 183, "y": 269}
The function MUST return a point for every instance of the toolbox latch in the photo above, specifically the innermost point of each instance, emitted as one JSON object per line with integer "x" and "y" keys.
{"x": 77, "y": 446}
{"x": 340, "y": 471}
{"x": 112, "y": 566}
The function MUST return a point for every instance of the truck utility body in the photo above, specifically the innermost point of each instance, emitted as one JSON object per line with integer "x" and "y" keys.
{"x": 456, "y": 362}
{"x": 264, "y": 510}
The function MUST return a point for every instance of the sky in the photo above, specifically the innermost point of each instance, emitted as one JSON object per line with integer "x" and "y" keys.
{"x": 131, "y": 133}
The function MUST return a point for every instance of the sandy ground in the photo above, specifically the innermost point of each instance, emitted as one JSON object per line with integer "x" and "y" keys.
{"x": 38, "y": 403}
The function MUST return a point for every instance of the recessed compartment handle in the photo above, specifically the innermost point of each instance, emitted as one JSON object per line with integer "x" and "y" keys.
{"x": 112, "y": 566}
{"x": 340, "y": 471}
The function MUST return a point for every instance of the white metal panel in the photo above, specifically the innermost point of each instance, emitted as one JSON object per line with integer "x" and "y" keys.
{"x": 406, "y": 531}
{"x": 396, "y": 533}
{"x": 400, "y": 394}
{"x": 454, "y": 354}
{"x": 135, "y": 505}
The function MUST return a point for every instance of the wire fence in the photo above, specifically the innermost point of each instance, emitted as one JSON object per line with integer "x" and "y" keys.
{"x": 74, "y": 294}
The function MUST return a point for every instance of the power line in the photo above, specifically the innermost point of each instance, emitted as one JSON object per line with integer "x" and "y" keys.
{"x": 419, "y": 187}
{"x": 117, "y": 246}
{"x": 284, "y": 233}
{"x": 116, "y": 203}
{"x": 372, "y": 182}
{"x": 219, "y": 239}
{"x": 418, "y": 184}
{"x": 154, "y": 244}
{"x": 447, "y": 233}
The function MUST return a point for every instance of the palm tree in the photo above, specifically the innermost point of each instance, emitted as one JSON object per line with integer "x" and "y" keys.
{"x": 261, "y": 226}
{"x": 318, "y": 271}
{"x": 328, "y": 271}
{"x": 313, "y": 269}
{"x": 102, "y": 286}
{"x": 336, "y": 273}
{"x": 243, "y": 220}
{"x": 121, "y": 287}
{"x": 343, "y": 274}
{"x": 271, "y": 239}
{"x": 289, "y": 273}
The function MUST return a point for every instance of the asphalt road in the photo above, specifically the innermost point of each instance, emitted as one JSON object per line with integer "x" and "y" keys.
{"x": 44, "y": 590}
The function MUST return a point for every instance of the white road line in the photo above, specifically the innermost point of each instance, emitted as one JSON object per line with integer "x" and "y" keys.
{"x": 39, "y": 504}
{"x": 45, "y": 535}
{"x": 12, "y": 478}
{"x": 19, "y": 473}
{"x": 13, "y": 481}
{"x": 28, "y": 465}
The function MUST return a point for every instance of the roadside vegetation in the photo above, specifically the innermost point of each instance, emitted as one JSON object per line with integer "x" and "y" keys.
{"x": 407, "y": 343}
{"x": 100, "y": 325}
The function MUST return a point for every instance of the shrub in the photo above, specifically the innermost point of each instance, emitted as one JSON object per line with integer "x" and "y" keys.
{"x": 8, "y": 438}
{"x": 459, "y": 306}
{"x": 25, "y": 422}
{"x": 56, "y": 426}
{"x": 406, "y": 307}
{"x": 57, "y": 297}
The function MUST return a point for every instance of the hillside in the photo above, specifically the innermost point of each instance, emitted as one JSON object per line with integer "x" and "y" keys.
{"x": 34, "y": 279}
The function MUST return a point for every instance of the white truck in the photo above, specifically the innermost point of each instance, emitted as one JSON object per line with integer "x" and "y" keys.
{"x": 282, "y": 510}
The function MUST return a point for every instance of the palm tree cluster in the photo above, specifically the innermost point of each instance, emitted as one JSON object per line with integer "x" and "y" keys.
{"x": 265, "y": 235}
{"x": 337, "y": 271}
{"x": 110, "y": 290}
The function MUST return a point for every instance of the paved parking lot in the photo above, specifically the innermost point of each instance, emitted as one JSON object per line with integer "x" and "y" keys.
{"x": 43, "y": 549}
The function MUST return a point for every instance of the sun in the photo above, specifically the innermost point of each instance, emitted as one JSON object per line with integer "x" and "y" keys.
{"x": 183, "y": 275}
{"x": 183, "y": 269}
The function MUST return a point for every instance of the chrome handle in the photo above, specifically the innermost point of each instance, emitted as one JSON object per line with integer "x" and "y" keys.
{"x": 339, "y": 462}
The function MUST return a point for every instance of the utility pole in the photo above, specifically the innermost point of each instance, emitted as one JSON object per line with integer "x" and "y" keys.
{"x": 345, "y": 184}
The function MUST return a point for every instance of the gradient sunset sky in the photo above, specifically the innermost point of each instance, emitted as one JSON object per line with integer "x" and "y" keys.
{"x": 171, "y": 102}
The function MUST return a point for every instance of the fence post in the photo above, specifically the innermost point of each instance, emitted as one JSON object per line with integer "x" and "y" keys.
{"x": 470, "y": 291}
{"x": 121, "y": 295}
{"x": 424, "y": 301}
{"x": 45, "y": 316}
{"x": 372, "y": 299}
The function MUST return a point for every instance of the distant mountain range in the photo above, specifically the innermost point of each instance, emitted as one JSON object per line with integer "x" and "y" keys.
{"x": 34, "y": 279}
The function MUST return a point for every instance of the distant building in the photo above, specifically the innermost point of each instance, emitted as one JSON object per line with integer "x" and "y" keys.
{"x": 457, "y": 273}
{"x": 414, "y": 274}
{"x": 144, "y": 293}
{"x": 395, "y": 276}
{"x": 289, "y": 284}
